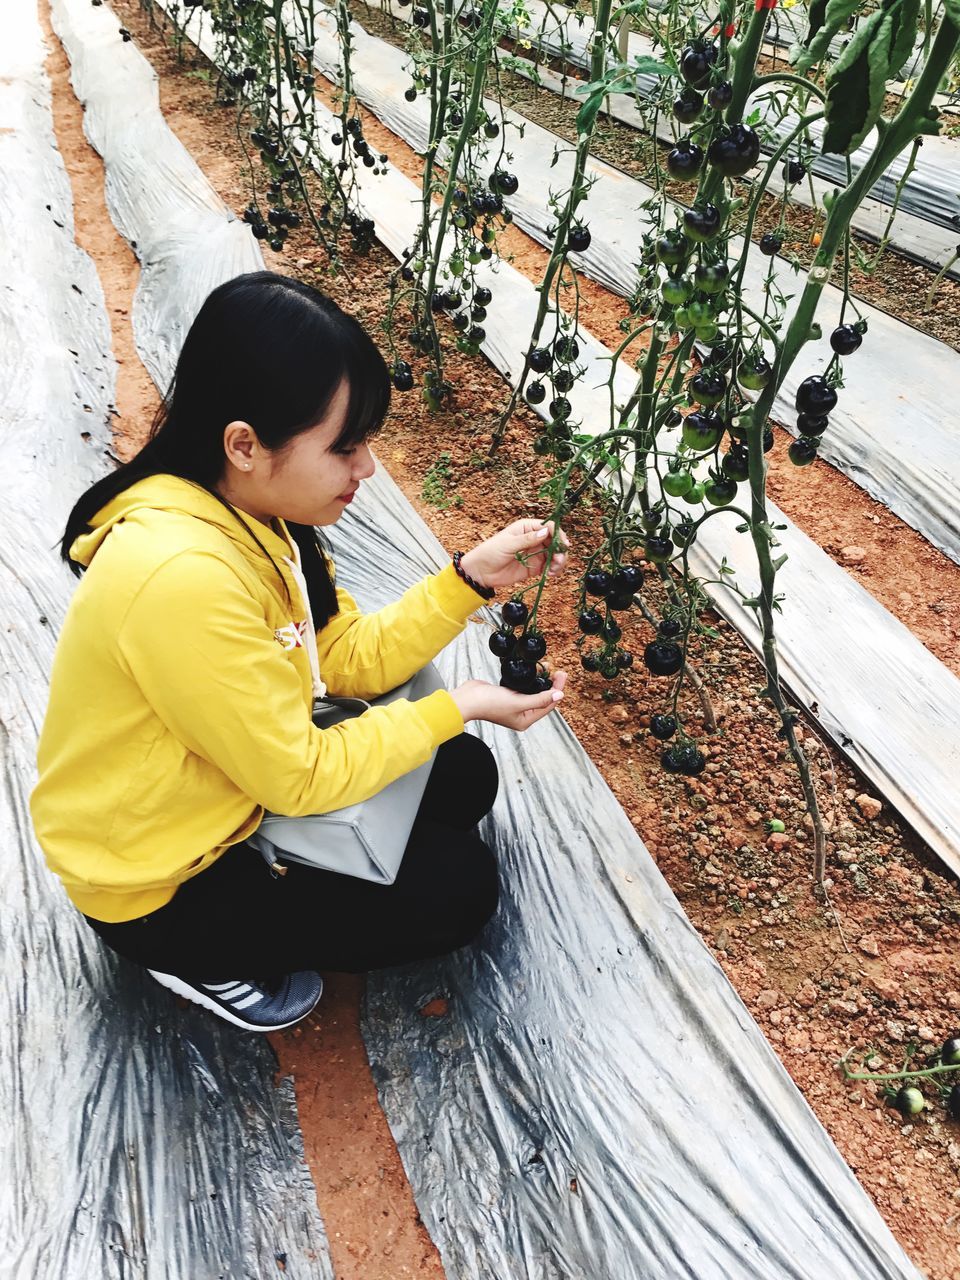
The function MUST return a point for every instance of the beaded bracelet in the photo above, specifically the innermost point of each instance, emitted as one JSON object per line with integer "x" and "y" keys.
{"x": 487, "y": 592}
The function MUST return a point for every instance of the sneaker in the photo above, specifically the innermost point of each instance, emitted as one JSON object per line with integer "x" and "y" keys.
{"x": 256, "y": 1004}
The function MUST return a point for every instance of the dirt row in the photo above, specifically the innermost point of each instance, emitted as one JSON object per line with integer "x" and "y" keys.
{"x": 889, "y": 979}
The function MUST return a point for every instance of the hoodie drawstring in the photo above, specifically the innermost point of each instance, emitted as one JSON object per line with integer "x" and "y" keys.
{"x": 319, "y": 688}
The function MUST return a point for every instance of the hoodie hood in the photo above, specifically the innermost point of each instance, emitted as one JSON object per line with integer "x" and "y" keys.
{"x": 173, "y": 493}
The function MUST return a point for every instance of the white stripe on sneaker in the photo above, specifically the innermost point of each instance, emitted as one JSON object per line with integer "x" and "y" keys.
{"x": 243, "y": 989}
{"x": 251, "y": 999}
{"x": 219, "y": 986}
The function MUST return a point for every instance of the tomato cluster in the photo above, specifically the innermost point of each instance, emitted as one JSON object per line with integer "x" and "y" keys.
{"x": 520, "y": 654}
{"x": 557, "y": 364}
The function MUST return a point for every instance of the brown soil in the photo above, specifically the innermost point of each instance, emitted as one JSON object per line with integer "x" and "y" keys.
{"x": 896, "y": 979}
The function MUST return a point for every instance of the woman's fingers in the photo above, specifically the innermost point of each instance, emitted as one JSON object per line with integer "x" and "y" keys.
{"x": 531, "y": 533}
{"x": 541, "y": 704}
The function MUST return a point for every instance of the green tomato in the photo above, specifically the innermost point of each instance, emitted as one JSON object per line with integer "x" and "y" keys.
{"x": 700, "y": 313}
{"x": 950, "y": 1053}
{"x": 676, "y": 483}
{"x": 721, "y": 491}
{"x": 712, "y": 277}
{"x": 754, "y": 373}
{"x": 681, "y": 318}
{"x": 707, "y": 332}
{"x": 675, "y": 290}
{"x": 694, "y": 494}
{"x": 909, "y": 1101}
{"x": 672, "y": 248}
{"x": 702, "y": 431}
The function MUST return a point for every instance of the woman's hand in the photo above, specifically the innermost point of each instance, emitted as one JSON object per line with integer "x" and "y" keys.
{"x": 495, "y": 563}
{"x": 479, "y": 700}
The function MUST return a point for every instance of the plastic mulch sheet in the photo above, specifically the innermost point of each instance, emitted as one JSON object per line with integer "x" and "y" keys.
{"x": 140, "y": 1140}
{"x": 597, "y": 1102}
{"x": 869, "y": 683}
{"x": 894, "y": 388}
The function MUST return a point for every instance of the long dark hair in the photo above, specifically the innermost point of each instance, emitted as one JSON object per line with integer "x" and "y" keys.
{"x": 270, "y": 351}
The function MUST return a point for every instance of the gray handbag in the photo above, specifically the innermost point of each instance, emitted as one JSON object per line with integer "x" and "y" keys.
{"x": 366, "y": 840}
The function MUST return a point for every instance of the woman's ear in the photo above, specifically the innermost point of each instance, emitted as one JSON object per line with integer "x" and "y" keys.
{"x": 241, "y": 446}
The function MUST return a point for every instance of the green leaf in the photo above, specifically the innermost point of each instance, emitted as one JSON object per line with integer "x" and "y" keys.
{"x": 856, "y": 83}
{"x": 952, "y": 9}
{"x": 587, "y": 115}
{"x": 817, "y": 17}
{"x": 644, "y": 65}
{"x": 619, "y": 79}
{"x": 836, "y": 15}
{"x": 903, "y": 35}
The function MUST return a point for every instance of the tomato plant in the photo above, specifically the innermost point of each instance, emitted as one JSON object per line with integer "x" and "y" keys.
{"x": 691, "y": 442}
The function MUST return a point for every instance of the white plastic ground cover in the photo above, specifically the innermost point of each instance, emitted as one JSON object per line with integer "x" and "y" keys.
{"x": 873, "y": 687}
{"x": 597, "y": 1101}
{"x": 547, "y": 1065}
{"x": 895, "y": 386}
{"x": 912, "y": 234}
{"x": 139, "y": 1139}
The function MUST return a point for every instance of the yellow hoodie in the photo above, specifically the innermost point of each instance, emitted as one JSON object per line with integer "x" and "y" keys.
{"x": 182, "y": 689}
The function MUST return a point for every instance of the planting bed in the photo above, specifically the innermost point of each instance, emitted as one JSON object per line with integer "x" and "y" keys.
{"x": 748, "y": 895}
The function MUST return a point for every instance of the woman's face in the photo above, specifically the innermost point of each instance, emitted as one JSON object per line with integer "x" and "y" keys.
{"x": 305, "y": 481}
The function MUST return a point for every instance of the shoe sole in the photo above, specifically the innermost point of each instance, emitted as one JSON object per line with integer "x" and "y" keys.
{"x": 182, "y": 988}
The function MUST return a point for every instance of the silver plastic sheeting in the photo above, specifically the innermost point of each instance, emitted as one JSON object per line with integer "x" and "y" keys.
{"x": 895, "y": 386}
{"x": 186, "y": 238}
{"x": 878, "y": 692}
{"x": 597, "y": 1102}
{"x": 140, "y": 1140}
{"x": 912, "y": 234}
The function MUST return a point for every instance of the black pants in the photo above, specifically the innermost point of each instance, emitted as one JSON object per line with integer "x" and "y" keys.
{"x": 236, "y": 919}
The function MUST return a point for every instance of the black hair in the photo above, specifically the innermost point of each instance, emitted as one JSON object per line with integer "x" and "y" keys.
{"x": 270, "y": 351}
